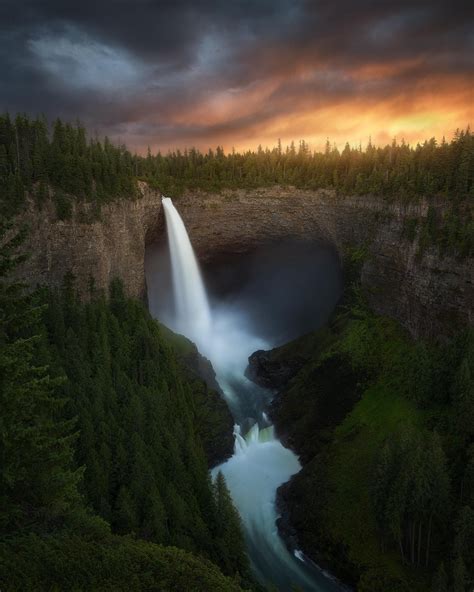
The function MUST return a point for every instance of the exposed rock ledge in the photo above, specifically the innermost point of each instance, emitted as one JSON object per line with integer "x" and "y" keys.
{"x": 430, "y": 295}
{"x": 270, "y": 373}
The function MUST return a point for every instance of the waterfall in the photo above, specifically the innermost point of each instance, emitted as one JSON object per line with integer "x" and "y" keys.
{"x": 193, "y": 317}
{"x": 260, "y": 463}
{"x": 254, "y": 436}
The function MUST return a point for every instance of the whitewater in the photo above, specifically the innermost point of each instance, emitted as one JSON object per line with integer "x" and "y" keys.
{"x": 260, "y": 463}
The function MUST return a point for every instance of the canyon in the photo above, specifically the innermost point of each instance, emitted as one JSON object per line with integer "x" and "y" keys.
{"x": 430, "y": 294}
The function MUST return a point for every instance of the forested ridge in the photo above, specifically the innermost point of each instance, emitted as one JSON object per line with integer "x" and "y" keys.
{"x": 103, "y": 470}
{"x": 385, "y": 427}
{"x": 40, "y": 158}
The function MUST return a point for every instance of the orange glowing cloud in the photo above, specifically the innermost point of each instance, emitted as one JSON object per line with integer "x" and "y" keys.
{"x": 268, "y": 111}
{"x": 240, "y": 74}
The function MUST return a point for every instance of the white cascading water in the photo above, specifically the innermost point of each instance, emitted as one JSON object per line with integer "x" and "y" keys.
{"x": 193, "y": 315}
{"x": 260, "y": 463}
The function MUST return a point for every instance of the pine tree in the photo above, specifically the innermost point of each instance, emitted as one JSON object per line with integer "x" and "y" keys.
{"x": 233, "y": 555}
{"x": 464, "y": 538}
{"x": 37, "y": 483}
{"x": 126, "y": 519}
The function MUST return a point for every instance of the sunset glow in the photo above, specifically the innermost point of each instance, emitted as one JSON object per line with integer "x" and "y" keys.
{"x": 176, "y": 76}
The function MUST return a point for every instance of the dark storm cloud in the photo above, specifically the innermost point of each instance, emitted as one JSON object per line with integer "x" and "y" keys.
{"x": 184, "y": 72}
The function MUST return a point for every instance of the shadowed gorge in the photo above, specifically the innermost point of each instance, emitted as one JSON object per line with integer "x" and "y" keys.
{"x": 265, "y": 298}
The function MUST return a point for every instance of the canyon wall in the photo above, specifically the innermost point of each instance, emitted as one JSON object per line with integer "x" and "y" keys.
{"x": 431, "y": 295}
{"x": 91, "y": 247}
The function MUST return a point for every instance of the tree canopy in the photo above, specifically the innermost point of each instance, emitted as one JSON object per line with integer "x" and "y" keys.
{"x": 61, "y": 159}
{"x": 101, "y": 453}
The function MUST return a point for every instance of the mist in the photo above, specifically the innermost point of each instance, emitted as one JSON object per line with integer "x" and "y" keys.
{"x": 275, "y": 293}
{"x": 256, "y": 300}
{"x": 259, "y": 300}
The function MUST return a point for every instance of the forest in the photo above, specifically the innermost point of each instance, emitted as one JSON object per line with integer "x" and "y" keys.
{"x": 102, "y": 441}
{"x": 61, "y": 157}
{"x": 61, "y": 163}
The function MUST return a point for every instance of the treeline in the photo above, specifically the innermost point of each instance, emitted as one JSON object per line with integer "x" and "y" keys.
{"x": 99, "y": 420}
{"x": 427, "y": 169}
{"x": 38, "y": 159}
{"x": 62, "y": 159}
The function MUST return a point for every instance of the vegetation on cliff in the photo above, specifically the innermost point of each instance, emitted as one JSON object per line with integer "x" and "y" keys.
{"x": 62, "y": 164}
{"x": 64, "y": 159}
{"x": 385, "y": 427}
{"x": 100, "y": 427}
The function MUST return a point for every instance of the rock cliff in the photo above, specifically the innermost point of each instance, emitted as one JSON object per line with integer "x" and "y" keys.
{"x": 429, "y": 294}
{"x": 91, "y": 247}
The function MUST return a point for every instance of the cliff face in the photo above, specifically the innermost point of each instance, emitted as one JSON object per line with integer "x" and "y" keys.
{"x": 113, "y": 246}
{"x": 428, "y": 294}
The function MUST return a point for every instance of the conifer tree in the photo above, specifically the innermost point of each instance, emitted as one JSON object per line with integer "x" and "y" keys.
{"x": 233, "y": 555}
{"x": 37, "y": 483}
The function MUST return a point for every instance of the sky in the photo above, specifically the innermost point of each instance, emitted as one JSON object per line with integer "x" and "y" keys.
{"x": 239, "y": 73}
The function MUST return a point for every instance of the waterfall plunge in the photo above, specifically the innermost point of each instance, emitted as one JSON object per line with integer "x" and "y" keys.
{"x": 223, "y": 337}
{"x": 260, "y": 463}
{"x": 193, "y": 316}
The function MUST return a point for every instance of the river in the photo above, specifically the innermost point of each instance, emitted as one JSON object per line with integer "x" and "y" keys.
{"x": 260, "y": 464}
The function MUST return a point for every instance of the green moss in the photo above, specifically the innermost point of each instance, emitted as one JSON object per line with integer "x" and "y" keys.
{"x": 350, "y": 517}
{"x": 181, "y": 344}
